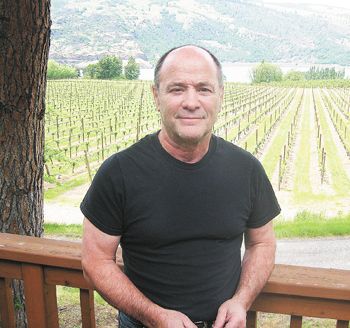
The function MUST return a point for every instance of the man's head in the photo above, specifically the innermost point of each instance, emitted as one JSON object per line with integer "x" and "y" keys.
{"x": 188, "y": 92}
{"x": 165, "y": 55}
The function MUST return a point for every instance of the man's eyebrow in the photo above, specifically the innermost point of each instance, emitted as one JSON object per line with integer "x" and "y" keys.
{"x": 175, "y": 84}
{"x": 205, "y": 83}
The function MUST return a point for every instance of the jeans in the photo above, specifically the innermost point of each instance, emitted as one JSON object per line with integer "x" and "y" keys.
{"x": 126, "y": 321}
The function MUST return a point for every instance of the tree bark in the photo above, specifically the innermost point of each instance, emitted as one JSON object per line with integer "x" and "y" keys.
{"x": 24, "y": 47}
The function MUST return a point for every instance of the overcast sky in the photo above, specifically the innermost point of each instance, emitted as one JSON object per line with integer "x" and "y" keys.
{"x": 337, "y": 3}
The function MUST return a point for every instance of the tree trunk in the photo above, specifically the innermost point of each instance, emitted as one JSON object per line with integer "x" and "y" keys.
{"x": 24, "y": 47}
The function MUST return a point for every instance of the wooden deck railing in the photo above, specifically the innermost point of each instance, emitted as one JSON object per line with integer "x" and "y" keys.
{"x": 45, "y": 263}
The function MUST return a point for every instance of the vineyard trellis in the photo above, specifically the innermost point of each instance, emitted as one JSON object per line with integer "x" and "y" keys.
{"x": 87, "y": 121}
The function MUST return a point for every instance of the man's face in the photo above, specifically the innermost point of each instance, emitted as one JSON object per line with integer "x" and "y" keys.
{"x": 189, "y": 96}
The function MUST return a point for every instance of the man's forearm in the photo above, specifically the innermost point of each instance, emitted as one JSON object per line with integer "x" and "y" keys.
{"x": 116, "y": 288}
{"x": 257, "y": 265}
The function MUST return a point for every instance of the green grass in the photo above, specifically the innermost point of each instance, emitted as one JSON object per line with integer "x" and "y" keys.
{"x": 271, "y": 157}
{"x": 302, "y": 165}
{"x": 309, "y": 225}
{"x": 340, "y": 181}
{"x": 69, "y": 295}
{"x": 60, "y": 189}
{"x": 67, "y": 230}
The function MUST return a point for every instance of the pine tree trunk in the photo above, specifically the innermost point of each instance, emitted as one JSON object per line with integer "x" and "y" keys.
{"x": 24, "y": 47}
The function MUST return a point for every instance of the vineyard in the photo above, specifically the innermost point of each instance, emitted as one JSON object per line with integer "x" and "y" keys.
{"x": 301, "y": 135}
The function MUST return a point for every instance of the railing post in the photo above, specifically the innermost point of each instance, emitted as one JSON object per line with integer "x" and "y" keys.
{"x": 296, "y": 321}
{"x": 87, "y": 308}
{"x": 251, "y": 319}
{"x": 51, "y": 304}
{"x": 34, "y": 292}
{"x": 7, "y": 310}
{"x": 342, "y": 324}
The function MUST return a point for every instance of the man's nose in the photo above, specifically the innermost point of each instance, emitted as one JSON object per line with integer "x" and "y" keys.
{"x": 190, "y": 100}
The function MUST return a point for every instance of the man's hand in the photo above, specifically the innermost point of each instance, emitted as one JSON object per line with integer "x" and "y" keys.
{"x": 231, "y": 314}
{"x": 174, "y": 319}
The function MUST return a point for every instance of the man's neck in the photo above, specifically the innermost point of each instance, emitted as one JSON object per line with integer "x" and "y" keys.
{"x": 188, "y": 153}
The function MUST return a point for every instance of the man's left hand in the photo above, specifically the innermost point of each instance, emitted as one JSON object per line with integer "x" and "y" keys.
{"x": 231, "y": 314}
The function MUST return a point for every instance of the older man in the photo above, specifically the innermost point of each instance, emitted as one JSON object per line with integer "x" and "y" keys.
{"x": 179, "y": 202}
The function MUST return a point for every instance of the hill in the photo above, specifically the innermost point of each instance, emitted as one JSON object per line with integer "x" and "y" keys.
{"x": 244, "y": 31}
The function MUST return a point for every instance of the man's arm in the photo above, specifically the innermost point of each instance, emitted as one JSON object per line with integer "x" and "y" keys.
{"x": 257, "y": 265}
{"x": 102, "y": 272}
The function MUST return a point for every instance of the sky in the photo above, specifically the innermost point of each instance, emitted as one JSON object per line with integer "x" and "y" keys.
{"x": 337, "y": 3}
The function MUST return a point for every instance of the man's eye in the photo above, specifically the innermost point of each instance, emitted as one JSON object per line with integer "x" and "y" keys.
{"x": 176, "y": 90}
{"x": 206, "y": 90}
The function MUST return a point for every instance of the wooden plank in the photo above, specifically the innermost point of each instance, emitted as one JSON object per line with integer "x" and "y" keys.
{"x": 302, "y": 306}
{"x": 10, "y": 269}
{"x": 51, "y": 306}
{"x": 35, "y": 250}
{"x": 65, "y": 277}
{"x": 342, "y": 324}
{"x": 34, "y": 293}
{"x": 7, "y": 310}
{"x": 296, "y": 321}
{"x": 44, "y": 251}
{"x": 251, "y": 319}
{"x": 306, "y": 281}
{"x": 87, "y": 308}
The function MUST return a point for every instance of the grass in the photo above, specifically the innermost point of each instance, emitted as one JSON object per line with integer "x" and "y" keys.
{"x": 66, "y": 230}
{"x": 302, "y": 179}
{"x": 271, "y": 157}
{"x": 340, "y": 181}
{"x": 309, "y": 225}
{"x": 60, "y": 189}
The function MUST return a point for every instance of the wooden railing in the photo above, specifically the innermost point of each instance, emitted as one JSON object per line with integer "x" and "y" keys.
{"x": 43, "y": 264}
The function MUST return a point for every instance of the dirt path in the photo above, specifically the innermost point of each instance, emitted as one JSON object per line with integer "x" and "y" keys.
{"x": 65, "y": 208}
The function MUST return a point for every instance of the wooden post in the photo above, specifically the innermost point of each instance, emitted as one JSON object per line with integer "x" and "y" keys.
{"x": 280, "y": 173}
{"x": 87, "y": 165}
{"x": 87, "y": 308}
{"x": 296, "y": 321}
{"x": 7, "y": 310}
{"x": 34, "y": 292}
{"x": 251, "y": 319}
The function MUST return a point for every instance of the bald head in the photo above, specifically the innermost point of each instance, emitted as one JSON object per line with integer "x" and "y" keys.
{"x": 195, "y": 50}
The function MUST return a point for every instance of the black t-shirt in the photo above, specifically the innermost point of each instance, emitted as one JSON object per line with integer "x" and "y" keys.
{"x": 181, "y": 224}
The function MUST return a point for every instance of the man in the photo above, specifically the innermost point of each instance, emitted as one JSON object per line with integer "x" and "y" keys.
{"x": 179, "y": 202}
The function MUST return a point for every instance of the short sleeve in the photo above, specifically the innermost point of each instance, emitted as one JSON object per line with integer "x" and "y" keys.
{"x": 264, "y": 204}
{"x": 104, "y": 201}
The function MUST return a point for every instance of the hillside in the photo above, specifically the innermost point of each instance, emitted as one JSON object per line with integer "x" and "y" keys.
{"x": 245, "y": 31}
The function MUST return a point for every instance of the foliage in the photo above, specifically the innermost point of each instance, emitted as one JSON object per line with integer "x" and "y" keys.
{"x": 91, "y": 71}
{"x": 132, "y": 69}
{"x": 108, "y": 67}
{"x": 316, "y": 73}
{"x": 294, "y": 76}
{"x": 266, "y": 72}
{"x": 60, "y": 71}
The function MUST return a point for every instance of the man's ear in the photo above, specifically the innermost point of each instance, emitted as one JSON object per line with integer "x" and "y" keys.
{"x": 155, "y": 96}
